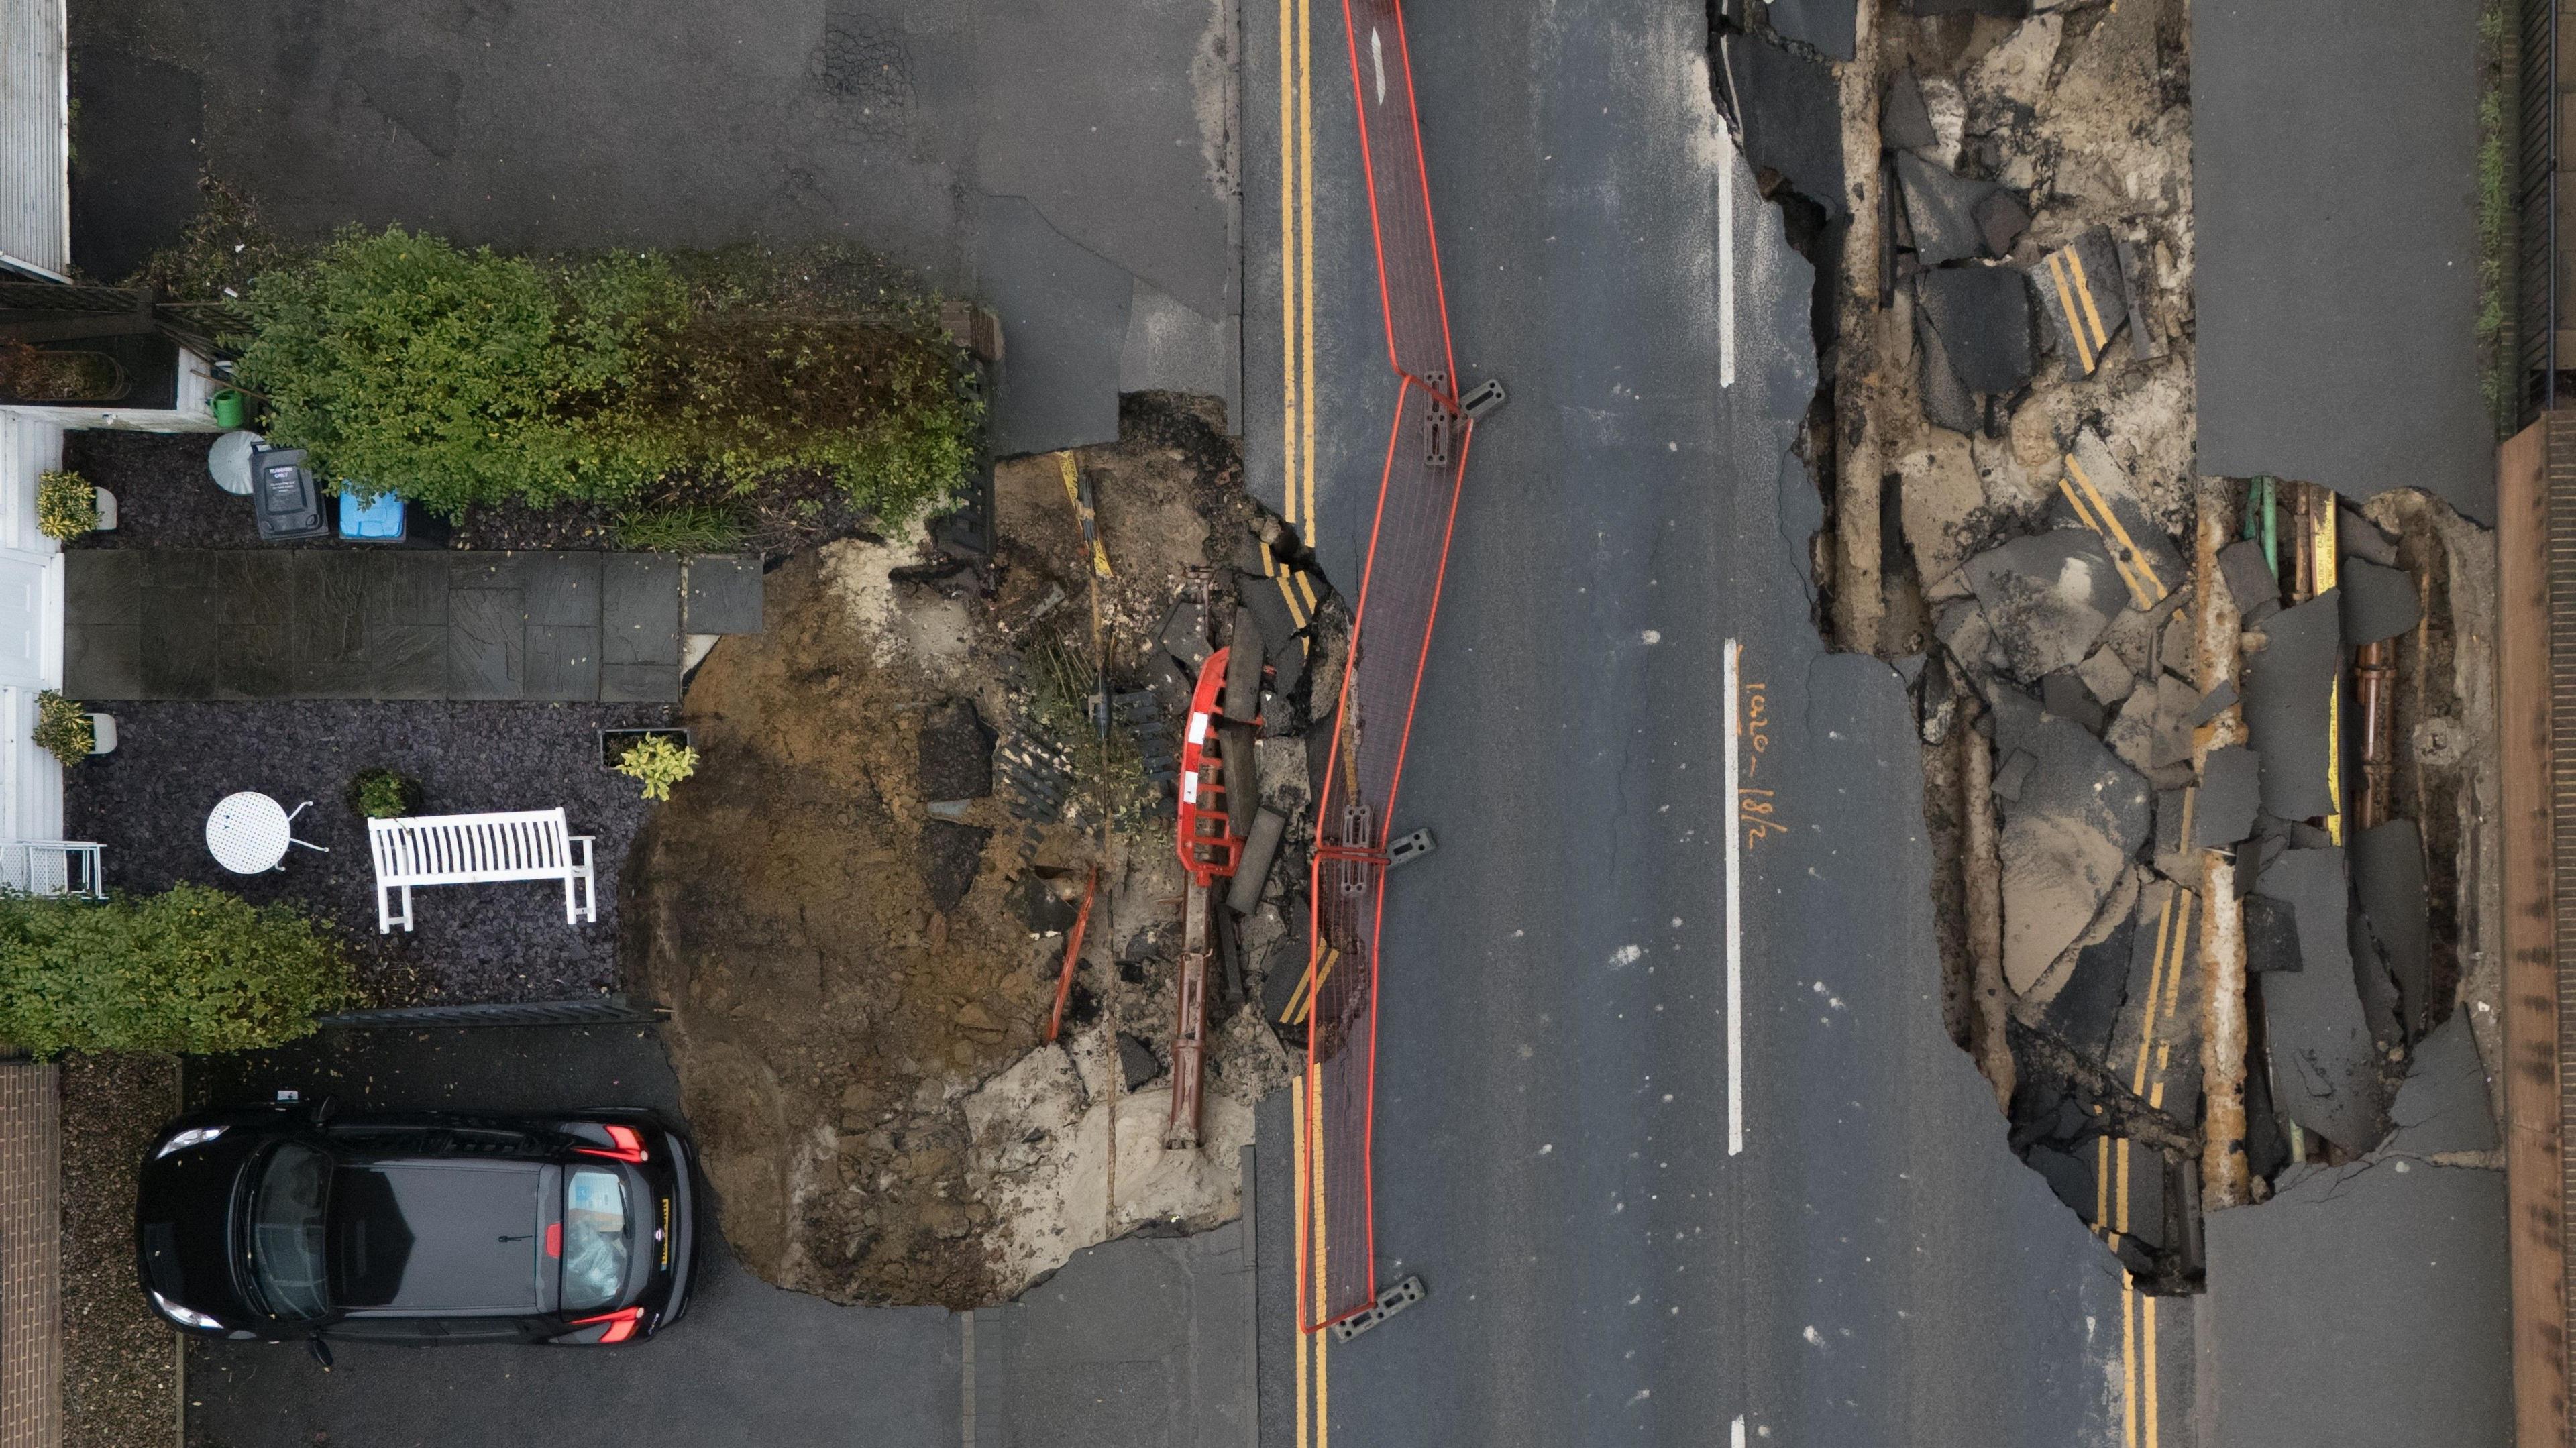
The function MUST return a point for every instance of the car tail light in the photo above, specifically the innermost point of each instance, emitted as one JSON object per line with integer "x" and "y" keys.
{"x": 554, "y": 1239}
{"x": 629, "y": 1145}
{"x": 611, "y": 1327}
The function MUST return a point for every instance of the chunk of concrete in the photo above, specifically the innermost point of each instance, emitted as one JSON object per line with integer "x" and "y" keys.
{"x": 2443, "y": 1105}
{"x": 2288, "y": 686}
{"x": 1137, "y": 1062}
{"x": 2249, "y": 576}
{"x": 1941, "y": 206}
{"x": 2316, "y": 1292}
{"x": 2067, "y": 840}
{"x": 2388, "y": 879}
{"x": 1904, "y": 124}
{"x": 2048, "y": 597}
{"x": 2230, "y": 791}
{"x": 2106, "y": 499}
{"x": 2064, "y": 695}
{"x": 2378, "y": 603}
{"x": 2325, "y": 1060}
{"x": 1940, "y": 495}
{"x": 2107, "y": 676}
{"x": 2132, "y": 735}
{"x": 2001, "y": 219}
{"x": 1946, "y": 402}
{"x": 1982, "y": 314}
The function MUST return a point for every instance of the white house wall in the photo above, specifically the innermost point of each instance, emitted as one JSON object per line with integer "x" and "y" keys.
{"x": 31, "y": 630}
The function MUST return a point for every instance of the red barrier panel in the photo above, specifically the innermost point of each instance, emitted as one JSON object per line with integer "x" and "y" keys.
{"x": 1418, "y": 489}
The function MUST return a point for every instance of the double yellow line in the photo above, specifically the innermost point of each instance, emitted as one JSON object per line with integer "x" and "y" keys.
{"x": 2066, "y": 269}
{"x": 1297, "y": 265}
{"x": 1297, "y": 453}
{"x": 2176, "y": 928}
{"x": 2137, "y": 570}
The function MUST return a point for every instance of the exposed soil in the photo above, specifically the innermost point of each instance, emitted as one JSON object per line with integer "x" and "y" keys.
{"x": 862, "y": 1067}
{"x": 119, "y": 1361}
{"x": 147, "y": 803}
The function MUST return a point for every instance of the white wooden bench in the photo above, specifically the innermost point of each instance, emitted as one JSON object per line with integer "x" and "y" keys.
{"x": 479, "y": 849}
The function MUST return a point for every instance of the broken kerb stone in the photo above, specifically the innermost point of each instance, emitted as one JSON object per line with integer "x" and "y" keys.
{"x": 2388, "y": 878}
{"x": 2066, "y": 841}
{"x": 1946, "y": 402}
{"x": 2289, "y": 684}
{"x": 2080, "y": 291}
{"x": 2378, "y": 602}
{"x": 2321, "y": 1040}
{"x": 1941, "y": 207}
{"x": 2443, "y": 1105}
{"x": 1982, "y": 314}
{"x": 2001, "y": 219}
{"x": 2250, "y": 580}
{"x": 1904, "y": 122}
{"x": 2048, "y": 598}
{"x": 2230, "y": 790}
{"x": 1252, "y": 873}
{"x": 2106, "y": 500}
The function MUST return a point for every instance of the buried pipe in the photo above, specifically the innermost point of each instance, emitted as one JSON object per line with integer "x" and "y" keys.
{"x": 2226, "y": 1180}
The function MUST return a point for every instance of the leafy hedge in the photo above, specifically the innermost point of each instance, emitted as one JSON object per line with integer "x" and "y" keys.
{"x": 462, "y": 378}
{"x": 195, "y": 969}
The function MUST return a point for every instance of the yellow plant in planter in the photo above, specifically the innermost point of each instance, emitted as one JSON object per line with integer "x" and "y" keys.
{"x": 659, "y": 763}
{"x": 66, "y": 505}
{"x": 63, "y": 728}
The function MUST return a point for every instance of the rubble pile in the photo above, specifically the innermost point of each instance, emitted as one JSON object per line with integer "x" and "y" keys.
{"x": 2161, "y": 713}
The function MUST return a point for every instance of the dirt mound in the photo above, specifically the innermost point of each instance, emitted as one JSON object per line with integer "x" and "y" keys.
{"x": 858, "y": 937}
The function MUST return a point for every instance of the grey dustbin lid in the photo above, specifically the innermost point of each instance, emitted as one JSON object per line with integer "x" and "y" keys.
{"x": 229, "y": 461}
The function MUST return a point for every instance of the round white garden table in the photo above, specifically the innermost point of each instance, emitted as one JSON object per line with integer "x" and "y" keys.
{"x": 229, "y": 461}
{"x": 249, "y": 832}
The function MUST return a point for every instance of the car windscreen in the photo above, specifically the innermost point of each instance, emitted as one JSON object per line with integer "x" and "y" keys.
{"x": 286, "y": 1241}
{"x": 598, "y": 1238}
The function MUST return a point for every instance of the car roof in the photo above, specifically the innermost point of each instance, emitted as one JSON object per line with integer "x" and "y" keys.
{"x": 437, "y": 1234}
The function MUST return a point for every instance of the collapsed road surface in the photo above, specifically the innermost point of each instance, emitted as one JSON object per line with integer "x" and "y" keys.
{"x": 1640, "y": 1218}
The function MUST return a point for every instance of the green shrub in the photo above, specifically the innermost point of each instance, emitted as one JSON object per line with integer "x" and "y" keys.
{"x": 66, "y": 505}
{"x": 63, "y": 728}
{"x": 381, "y": 794}
{"x": 460, "y": 379}
{"x": 195, "y": 969}
{"x": 659, "y": 763}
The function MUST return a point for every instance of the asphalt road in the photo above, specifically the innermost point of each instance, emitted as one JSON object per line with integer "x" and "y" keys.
{"x": 1553, "y": 1083}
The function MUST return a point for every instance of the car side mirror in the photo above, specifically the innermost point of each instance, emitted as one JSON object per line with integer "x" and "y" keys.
{"x": 324, "y": 1110}
{"x": 321, "y": 1350}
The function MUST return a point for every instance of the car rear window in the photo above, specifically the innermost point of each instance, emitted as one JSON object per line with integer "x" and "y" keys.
{"x": 598, "y": 1234}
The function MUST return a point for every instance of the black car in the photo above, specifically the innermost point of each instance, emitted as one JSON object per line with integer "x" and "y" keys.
{"x": 425, "y": 1227}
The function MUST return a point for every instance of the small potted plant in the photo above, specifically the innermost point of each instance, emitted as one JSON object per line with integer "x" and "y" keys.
{"x": 67, "y": 506}
{"x": 382, "y": 794}
{"x": 69, "y": 732}
{"x": 658, "y": 762}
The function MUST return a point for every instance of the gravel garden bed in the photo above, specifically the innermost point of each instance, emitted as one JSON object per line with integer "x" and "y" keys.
{"x": 118, "y": 1357}
{"x": 148, "y": 801}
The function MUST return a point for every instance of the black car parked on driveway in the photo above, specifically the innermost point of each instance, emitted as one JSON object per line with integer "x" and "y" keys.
{"x": 295, "y": 1222}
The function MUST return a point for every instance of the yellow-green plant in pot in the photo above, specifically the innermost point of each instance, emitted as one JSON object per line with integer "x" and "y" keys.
{"x": 63, "y": 728}
{"x": 658, "y": 763}
{"x": 66, "y": 505}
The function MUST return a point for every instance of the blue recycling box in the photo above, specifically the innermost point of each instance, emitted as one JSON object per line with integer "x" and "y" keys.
{"x": 379, "y": 519}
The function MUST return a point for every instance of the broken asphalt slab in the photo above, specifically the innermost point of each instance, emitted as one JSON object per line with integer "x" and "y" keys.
{"x": 2288, "y": 685}
{"x": 2443, "y": 1105}
{"x": 2230, "y": 793}
{"x": 2325, "y": 1063}
{"x": 2388, "y": 879}
{"x": 2066, "y": 840}
{"x": 2378, "y": 603}
{"x": 2301, "y": 1343}
{"x": 2105, "y": 499}
{"x": 1982, "y": 314}
{"x": 1793, "y": 120}
{"x": 1941, "y": 208}
{"x": 2048, "y": 598}
{"x": 2083, "y": 298}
